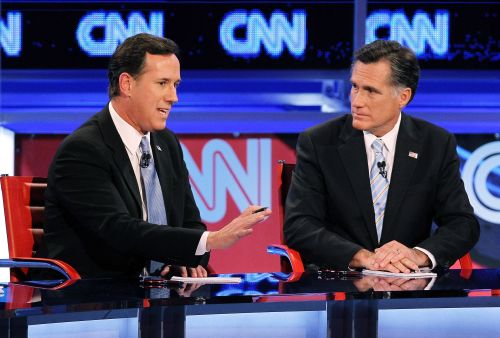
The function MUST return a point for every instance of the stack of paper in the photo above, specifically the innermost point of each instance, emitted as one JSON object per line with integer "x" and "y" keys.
{"x": 207, "y": 280}
{"x": 421, "y": 274}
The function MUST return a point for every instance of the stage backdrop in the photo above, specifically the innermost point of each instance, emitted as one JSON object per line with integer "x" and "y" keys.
{"x": 228, "y": 173}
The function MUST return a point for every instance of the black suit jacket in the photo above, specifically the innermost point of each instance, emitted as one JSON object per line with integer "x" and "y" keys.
{"x": 329, "y": 211}
{"x": 93, "y": 206}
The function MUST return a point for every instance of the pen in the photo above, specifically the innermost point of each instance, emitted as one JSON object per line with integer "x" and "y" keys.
{"x": 156, "y": 281}
{"x": 259, "y": 210}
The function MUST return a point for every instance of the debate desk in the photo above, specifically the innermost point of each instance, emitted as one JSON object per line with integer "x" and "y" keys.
{"x": 456, "y": 303}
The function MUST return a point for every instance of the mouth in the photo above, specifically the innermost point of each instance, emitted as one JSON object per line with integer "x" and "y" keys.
{"x": 164, "y": 111}
{"x": 357, "y": 115}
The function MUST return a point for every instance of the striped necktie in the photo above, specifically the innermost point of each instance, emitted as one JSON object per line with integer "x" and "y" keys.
{"x": 379, "y": 185}
{"x": 152, "y": 193}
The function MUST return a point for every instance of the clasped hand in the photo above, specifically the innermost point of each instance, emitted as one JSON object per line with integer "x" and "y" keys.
{"x": 393, "y": 257}
{"x": 390, "y": 284}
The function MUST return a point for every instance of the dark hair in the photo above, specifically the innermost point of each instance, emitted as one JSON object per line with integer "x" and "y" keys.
{"x": 405, "y": 70}
{"x": 129, "y": 57}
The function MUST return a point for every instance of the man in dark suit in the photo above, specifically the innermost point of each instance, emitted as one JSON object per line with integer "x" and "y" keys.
{"x": 367, "y": 186}
{"x": 102, "y": 212}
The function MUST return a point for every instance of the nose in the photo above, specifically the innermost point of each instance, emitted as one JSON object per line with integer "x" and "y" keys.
{"x": 171, "y": 96}
{"x": 357, "y": 99}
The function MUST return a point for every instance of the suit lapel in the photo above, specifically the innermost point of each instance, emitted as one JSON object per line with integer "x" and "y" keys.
{"x": 112, "y": 139}
{"x": 165, "y": 172}
{"x": 404, "y": 167}
{"x": 353, "y": 156}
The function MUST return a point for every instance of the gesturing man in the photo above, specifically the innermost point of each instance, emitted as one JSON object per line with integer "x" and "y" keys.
{"x": 118, "y": 191}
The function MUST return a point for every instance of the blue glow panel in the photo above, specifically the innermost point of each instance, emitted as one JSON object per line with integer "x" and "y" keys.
{"x": 438, "y": 323}
{"x": 11, "y": 33}
{"x": 273, "y": 36}
{"x": 120, "y": 328}
{"x": 217, "y": 35}
{"x": 480, "y": 172}
{"x": 266, "y": 283}
{"x": 251, "y": 325}
{"x": 115, "y": 30}
{"x": 418, "y": 32}
{"x": 3, "y": 290}
{"x": 443, "y": 34}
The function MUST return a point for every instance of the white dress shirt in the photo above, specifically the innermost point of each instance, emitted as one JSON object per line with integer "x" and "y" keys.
{"x": 131, "y": 138}
{"x": 389, "y": 150}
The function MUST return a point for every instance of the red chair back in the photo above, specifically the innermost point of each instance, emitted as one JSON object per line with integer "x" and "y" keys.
{"x": 285, "y": 172}
{"x": 24, "y": 204}
{"x": 290, "y": 259}
{"x": 23, "y": 199}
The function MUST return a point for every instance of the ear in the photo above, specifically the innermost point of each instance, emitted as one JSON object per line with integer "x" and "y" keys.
{"x": 404, "y": 97}
{"x": 125, "y": 82}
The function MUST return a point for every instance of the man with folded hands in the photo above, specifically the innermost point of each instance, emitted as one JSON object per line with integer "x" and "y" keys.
{"x": 367, "y": 186}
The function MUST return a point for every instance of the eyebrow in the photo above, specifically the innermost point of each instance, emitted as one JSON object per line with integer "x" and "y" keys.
{"x": 373, "y": 89}
{"x": 166, "y": 79}
{"x": 365, "y": 87}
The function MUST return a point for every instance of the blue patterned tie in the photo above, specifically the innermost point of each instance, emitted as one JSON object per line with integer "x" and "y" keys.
{"x": 152, "y": 194}
{"x": 379, "y": 185}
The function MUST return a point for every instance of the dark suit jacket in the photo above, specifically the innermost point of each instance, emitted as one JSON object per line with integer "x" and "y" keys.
{"x": 329, "y": 211}
{"x": 93, "y": 205}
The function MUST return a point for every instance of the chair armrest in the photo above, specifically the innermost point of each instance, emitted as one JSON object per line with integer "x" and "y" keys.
{"x": 466, "y": 262}
{"x": 292, "y": 256}
{"x": 31, "y": 262}
{"x": 210, "y": 270}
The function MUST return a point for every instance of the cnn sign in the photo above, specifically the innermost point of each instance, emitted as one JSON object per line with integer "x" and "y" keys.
{"x": 222, "y": 172}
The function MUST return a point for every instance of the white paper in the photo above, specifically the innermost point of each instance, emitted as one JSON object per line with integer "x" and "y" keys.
{"x": 421, "y": 274}
{"x": 207, "y": 280}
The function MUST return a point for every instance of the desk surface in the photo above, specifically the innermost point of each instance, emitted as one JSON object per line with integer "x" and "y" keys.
{"x": 349, "y": 296}
{"x": 254, "y": 288}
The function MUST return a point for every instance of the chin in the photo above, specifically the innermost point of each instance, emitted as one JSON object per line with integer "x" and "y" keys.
{"x": 160, "y": 126}
{"x": 360, "y": 125}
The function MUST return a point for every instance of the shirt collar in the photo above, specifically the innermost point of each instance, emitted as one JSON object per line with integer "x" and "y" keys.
{"x": 129, "y": 135}
{"x": 389, "y": 138}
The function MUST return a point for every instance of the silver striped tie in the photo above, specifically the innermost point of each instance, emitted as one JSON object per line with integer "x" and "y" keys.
{"x": 379, "y": 185}
{"x": 152, "y": 192}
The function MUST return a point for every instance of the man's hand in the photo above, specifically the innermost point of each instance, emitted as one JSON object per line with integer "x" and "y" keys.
{"x": 187, "y": 289}
{"x": 239, "y": 227}
{"x": 366, "y": 259}
{"x": 404, "y": 259}
{"x": 412, "y": 284}
{"x": 183, "y": 271}
{"x": 390, "y": 284}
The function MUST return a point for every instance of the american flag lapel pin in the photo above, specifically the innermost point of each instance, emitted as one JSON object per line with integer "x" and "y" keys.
{"x": 413, "y": 154}
{"x": 159, "y": 148}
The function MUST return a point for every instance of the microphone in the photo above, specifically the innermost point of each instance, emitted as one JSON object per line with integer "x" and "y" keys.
{"x": 145, "y": 159}
{"x": 381, "y": 168}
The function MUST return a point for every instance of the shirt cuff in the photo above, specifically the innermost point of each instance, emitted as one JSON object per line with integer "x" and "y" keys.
{"x": 428, "y": 254}
{"x": 431, "y": 284}
{"x": 201, "y": 249}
